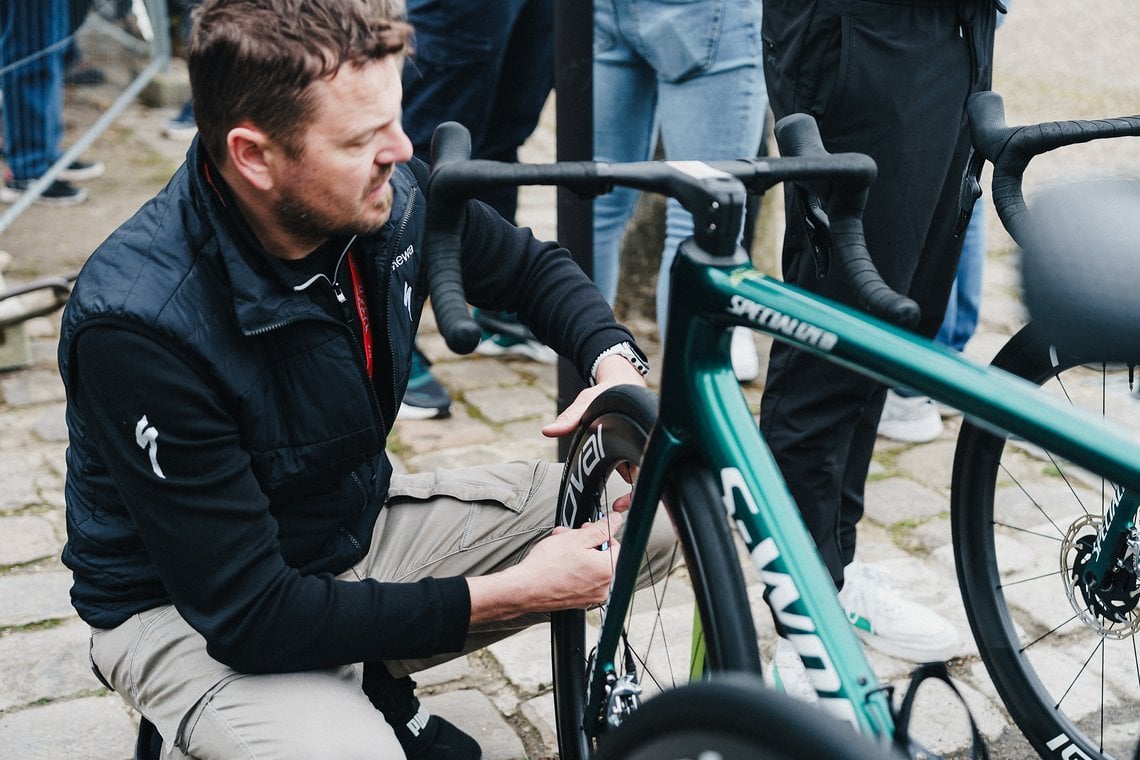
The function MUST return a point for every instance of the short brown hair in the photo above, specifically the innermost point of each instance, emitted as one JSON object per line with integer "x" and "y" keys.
{"x": 255, "y": 60}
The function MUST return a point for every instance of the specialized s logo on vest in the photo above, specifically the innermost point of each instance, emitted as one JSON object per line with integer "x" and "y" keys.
{"x": 146, "y": 436}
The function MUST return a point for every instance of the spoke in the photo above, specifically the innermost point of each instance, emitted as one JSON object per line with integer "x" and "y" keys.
{"x": 643, "y": 661}
{"x": 657, "y": 620}
{"x": 1027, "y": 531}
{"x": 1050, "y": 574}
{"x": 1098, "y": 647}
{"x": 1101, "y": 742}
{"x": 1048, "y": 633}
{"x": 1064, "y": 477}
{"x": 1064, "y": 389}
{"x": 643, "y": 656}
{"x": 1034, "y": 501}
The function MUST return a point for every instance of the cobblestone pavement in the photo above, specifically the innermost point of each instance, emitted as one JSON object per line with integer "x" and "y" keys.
{"x": 52, "y": 707}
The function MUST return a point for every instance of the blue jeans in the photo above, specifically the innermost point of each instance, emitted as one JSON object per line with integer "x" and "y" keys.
{"x": 487, "y": 65}
{"x": 690, "y": 72}
{"x": 961, "y": 318}
{"x": 33, "y": 89}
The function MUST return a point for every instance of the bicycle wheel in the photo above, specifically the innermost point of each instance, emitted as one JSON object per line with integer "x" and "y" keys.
{"x": 657, "y": 650}
{"x": 735, "y": 718}
{"x": 1064, "y": 660}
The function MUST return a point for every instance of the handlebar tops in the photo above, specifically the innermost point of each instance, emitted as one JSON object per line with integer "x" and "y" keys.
{"x": 713, "y": 192}
{"x": 1010, "y": 149}
{"x": 1081, "y": 238}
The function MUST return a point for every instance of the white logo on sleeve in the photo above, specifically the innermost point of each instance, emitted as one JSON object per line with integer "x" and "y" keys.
{"x": 146, "y": 436}
{"x": 408, "y": 299}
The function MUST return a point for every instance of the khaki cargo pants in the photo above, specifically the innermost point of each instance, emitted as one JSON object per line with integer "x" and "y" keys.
{"x": 460, "y": 522}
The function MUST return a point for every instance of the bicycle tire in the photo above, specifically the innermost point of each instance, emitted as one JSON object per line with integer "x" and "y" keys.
{"x": 1068, "y": 685}
{"x": 735, "y": 718}
{"x": 613, "y": 432}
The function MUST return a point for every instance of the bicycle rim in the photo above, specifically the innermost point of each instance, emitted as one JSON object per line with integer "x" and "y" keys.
{"x": 1068, "y": 673}
{"x": 735, "y": 718}
{"x": 656, "y": 654}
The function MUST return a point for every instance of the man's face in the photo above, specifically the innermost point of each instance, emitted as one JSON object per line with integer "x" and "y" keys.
{"x": 340, "y": 183}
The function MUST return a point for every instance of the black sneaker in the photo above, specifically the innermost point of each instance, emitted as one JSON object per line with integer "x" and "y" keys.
{"x": 425, "y": 398}
{"x": 422, "y": 735}
{"x": 81, "y": 171}
{"x": 58, "y": 193}
{"x": 84, "y": 75}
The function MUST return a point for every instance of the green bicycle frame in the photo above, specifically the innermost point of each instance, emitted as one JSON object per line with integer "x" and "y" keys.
{"x": 703, "y": 416}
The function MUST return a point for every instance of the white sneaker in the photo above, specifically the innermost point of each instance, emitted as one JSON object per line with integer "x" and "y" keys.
{"x": 788, "y": 674}
{"x": 745, "y": 360}
{"x": 911, "y": 419}
{"x": 948, "y": 412}
{"x": 891, "y": 624}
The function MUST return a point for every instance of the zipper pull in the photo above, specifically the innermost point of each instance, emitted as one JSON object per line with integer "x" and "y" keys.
{"x": 340, "y": 297}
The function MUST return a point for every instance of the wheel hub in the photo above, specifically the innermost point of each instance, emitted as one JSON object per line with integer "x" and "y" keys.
{"x": 1110, "y": 608}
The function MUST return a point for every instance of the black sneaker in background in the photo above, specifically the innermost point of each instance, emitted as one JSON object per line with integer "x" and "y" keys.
{"x": 81, "y": 171}
{"x": 58, "y": 193}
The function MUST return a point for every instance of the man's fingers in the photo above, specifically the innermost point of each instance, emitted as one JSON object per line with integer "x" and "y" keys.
{"x": 603, "y": 530}
{"x": 565, "y": 423}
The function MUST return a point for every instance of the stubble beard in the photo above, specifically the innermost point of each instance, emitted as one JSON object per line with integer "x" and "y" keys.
{"x": 303, "y": 219}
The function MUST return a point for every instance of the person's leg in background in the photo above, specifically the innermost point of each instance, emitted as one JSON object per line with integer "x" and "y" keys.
{"x": 489, "y": 66}
{"x": 33, "y": 43}
{"x": 961, "y": 319}
{"x": 182, "y": 126}
{"x": 525, "y": 81}
{"x": 730, "y": 83}
{"x": 76, "y": 71}
{"x": 911, "y": 418}
{"x": 820, "y": 421}
{"x": 662, "y": 72}
{"x": 625, "y": 100}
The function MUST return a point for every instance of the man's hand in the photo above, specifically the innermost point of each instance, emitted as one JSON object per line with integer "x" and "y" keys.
{"x": 564, "y": 571}
{"x": 614, "y": 370}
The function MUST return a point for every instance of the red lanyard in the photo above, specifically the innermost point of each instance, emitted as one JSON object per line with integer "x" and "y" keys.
{"x": 361, "y": 310}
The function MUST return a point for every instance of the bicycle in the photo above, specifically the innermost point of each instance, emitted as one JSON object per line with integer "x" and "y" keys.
{"x": 699, "y": 450}
{"x": 624, "y": 423}
{"x": 1040, "y": 624}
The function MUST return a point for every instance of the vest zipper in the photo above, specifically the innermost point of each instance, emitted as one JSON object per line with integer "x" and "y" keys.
{"x": 345, "y": 323}
{"x": 346, "y": 318}
{"x": 396, "y": 242}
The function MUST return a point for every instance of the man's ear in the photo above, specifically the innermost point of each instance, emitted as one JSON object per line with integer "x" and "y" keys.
{"x": 250, "y": 150}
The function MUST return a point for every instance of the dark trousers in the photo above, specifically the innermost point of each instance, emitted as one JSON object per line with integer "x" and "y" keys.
{"x": 888, "y": 78}
{"x": 487, "y": 65}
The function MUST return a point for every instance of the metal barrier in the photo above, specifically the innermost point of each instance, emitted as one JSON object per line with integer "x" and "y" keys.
{"x": 138, "y": 30}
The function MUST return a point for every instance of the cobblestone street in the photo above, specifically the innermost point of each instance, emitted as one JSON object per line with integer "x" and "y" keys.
{"x": 51, "y": 706}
